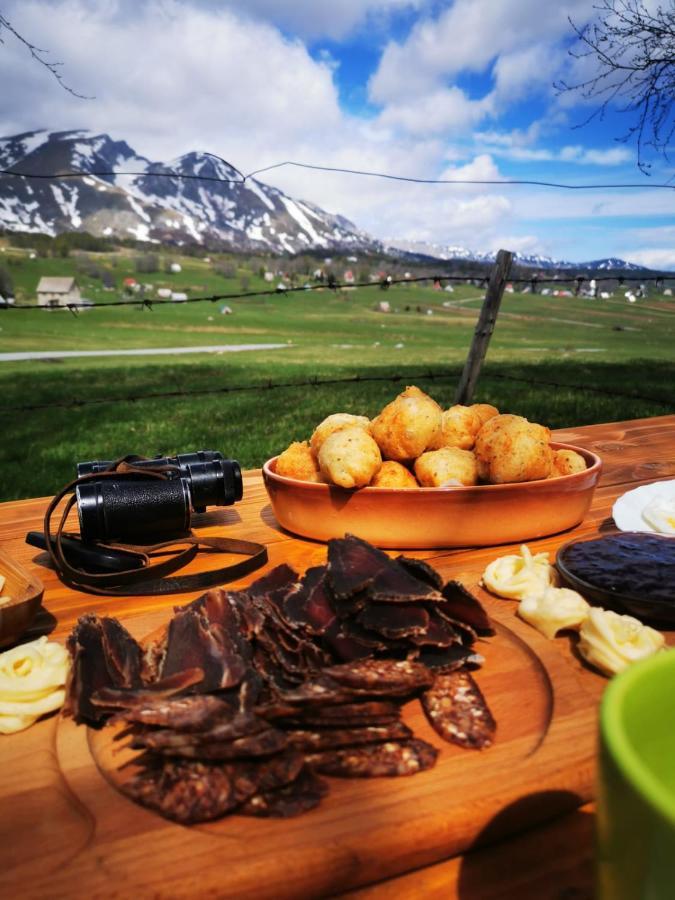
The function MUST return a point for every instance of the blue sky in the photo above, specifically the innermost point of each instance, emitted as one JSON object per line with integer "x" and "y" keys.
{"x": 424, "y": 88}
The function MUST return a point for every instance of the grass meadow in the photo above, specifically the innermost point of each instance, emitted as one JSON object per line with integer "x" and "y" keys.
{"x": 562, "y": 361}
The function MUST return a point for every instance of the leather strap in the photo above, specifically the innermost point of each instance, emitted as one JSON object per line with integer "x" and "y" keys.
{"x": 150, "y": 579}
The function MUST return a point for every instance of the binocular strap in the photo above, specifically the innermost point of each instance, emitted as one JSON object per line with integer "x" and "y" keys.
{"x": 150, "y": 578}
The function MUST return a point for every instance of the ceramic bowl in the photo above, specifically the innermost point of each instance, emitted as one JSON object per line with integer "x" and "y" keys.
{"x": 425, "y": 518}
{"x": 26, "y": 591}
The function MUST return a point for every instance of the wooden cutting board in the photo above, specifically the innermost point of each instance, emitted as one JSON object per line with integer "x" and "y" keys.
{"x": 71, "y": 832}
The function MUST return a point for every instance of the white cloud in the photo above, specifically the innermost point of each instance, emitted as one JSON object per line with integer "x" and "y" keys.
{"x": 437, "y": 112}
{"x": 654, "y": 258}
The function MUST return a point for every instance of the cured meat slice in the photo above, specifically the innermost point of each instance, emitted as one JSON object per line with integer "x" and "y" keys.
{"x": 123, "y": 654}
{"x": 354, "y": 711}
{"x": 394, "y": 584}
{"x": 321, "y": 691}
{"x": 460, "y": 604}
{"x": 265, "y": 743}
{"x": 238, "y": 726}
{"x": 190, "y": 792}
{"x": 104, "y": 656}
{"x": 381, "y": 677}
{"x": 196, "y": 712}
{"x": 458, "y": 712}
{"x": 395, "y": 620}
{"x": 353, "y": 564}
{"x": 373, "y": 760}
{"x": 295, "y": 602}
{"x": 439, "y": 632}
{"x": 333, "y": 738}
{"x": 421, "y": 570}
{"x": 298, "y": 797}
{"x": 191, "y": 644}
{"x": 223, "y": 611}
{"x": 447, "y": 659}
{"x": 347, "y": 646}
{"x": 281, "y": 578}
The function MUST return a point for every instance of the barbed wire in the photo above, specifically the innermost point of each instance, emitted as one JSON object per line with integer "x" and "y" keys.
{"x": 317, "y": 382}
{"x": 243, "y": 178}
{"x": 385, "y": 284}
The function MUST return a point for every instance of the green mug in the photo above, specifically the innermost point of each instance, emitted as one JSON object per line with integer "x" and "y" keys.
{"x": 636, "y": 783}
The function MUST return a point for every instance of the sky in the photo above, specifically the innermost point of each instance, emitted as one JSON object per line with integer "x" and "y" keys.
{"x": 451, "y": 89}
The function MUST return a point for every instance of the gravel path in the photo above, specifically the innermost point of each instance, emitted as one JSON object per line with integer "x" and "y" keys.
{"x": 147, "y": 351}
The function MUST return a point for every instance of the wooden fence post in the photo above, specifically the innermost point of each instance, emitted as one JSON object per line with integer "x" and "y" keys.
{"x": 485, "y": 327}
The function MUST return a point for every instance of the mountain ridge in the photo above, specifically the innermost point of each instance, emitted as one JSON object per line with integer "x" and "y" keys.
{"x": 196, "y": 198}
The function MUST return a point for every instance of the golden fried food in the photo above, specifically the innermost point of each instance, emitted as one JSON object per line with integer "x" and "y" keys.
{"x": 485, "y": 411}
{"x": 393, "y": 475}
{"x": 567, "y": 462}
{"x": 298, "y": 461}
{"x": 349, "y": 457}
{"x": 510, "y": 449}
{"x": 333, "y": 423}
{"x": 460, "y": 425}
{"x": 447, "y": 466}
{"x": 408, "y": 425}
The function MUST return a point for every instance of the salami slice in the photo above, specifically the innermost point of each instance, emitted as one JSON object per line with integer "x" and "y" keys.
{"x": 190, "y": 792}
{"x": 388, "y": 759}
{"x": 334, "y": 738}
{"x": 238, "y": 726}
{"x": 298, "y": 797}
{"x": 458, "y": 712}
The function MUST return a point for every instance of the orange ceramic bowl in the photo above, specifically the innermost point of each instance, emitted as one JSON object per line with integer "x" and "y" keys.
{"x": 424, "y": 518}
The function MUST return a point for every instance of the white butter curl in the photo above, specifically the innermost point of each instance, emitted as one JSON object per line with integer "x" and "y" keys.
{"x": 32, "y": 682}
{"x": 554, "y": 609}
{"x": 519, "y": 575}
{"x": 611, "y": 642}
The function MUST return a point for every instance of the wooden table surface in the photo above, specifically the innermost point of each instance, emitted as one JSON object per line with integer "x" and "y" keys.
{"x": 551, "y": 860}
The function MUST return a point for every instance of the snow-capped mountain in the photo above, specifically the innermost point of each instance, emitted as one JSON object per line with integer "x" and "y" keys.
{"x": 209, "y": 204}
{"x": 533, "y": 261}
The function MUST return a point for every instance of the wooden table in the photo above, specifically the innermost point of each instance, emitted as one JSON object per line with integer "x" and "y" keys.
{"x": 45, "y": 829}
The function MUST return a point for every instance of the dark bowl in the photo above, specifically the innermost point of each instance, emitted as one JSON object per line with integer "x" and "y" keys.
{"x": 653, "y": 550}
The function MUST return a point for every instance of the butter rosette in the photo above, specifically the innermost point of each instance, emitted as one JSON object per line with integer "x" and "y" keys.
{"x": 553, "y": 609}
{"x": 519, "y": 575}
{"x": 32, "y": 683}
{"x": 612, "y": 642}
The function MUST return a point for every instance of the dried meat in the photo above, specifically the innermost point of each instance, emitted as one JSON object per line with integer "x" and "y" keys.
{"x": 334, "y": 738}
{"x": 460, "y": 604}
{"x": 373, "y": 760}
{"x": 381, "y": 677}
{"x": 421, "y": 570}
{"x": 395, "y": 584}
{"x": 192, "y": 644}
{"x": 395, "y": 620}
{"x": 458, "y": 711}
{"x": 352, "y": 565}
{"x": 300, "y": 796}
{"x": 196, "y": 712}
{"x": 264, "y": 743}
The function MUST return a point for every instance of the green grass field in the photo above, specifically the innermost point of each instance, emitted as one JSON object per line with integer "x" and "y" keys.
{"x": 561, "y": 361}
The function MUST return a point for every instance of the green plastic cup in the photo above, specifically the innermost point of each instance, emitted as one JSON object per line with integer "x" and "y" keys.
{"x": 636, "y": 783}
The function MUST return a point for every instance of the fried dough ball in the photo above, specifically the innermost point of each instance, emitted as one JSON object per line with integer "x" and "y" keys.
{"x": 408, "y": 425}
{"x": 511, "y": 449}
{"x": 460, "y": 425}
{"x": 393, "y": 475}
{"x": 334, "y": 423}
{"x": 298, "y": 461}
{"x": 449, "y": 465}
{"x": 567, "y": 462}
{"x": 349, "y": 457}
{"x": 485, "y": 411}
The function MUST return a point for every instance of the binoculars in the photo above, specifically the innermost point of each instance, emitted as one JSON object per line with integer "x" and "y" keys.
{"x": 144, "y": 510}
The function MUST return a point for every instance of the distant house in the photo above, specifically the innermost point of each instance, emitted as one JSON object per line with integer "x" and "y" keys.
{"x": 57, "y": 291}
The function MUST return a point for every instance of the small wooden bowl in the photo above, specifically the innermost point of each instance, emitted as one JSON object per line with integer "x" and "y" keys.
{"x": 26, "y": 592}
{"x": 425, "y": 518}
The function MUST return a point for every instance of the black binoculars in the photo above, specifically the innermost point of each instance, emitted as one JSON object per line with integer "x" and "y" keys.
{"x": 136, "y": 509}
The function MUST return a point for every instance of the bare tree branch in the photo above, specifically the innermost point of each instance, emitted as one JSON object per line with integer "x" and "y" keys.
{"x": 633, "y": 51}
{"x": 39, "y": 56}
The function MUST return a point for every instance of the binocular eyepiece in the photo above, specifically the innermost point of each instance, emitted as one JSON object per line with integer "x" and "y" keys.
{"x": 140, "y": 509}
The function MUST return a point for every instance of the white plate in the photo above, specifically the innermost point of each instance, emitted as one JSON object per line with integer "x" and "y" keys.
{"x": 627, "y": 510}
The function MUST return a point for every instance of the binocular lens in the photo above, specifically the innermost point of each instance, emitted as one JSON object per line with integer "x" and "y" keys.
{"x": 216, "y": 483}
{"x": 136, "y": 511}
